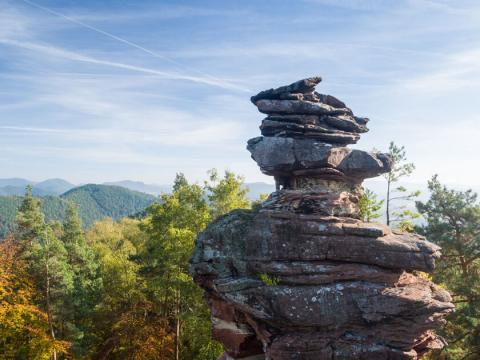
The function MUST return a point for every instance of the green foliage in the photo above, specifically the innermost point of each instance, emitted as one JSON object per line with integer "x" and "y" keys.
{"x": 256, "y": 204}
{"x": 269, "y": 280}
{"x": 86, "y": 281}
{"x": 95, "y": 202}
{"x": 45, "y": 259}
{"x": 369, "y": 206}
{"x": 29, "y": 219}
{"x": 400, "y": 168}
{"x": 171, "y": 227}
{"x": 226, "y": 194}
{"x": 125, "y": 323}
{"x": 8, "y": 211}
{"x": 453, "y": 222}
{"x": 402, "y": 217}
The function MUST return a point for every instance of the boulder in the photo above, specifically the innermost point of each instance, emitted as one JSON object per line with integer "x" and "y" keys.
{"x": 286, "y": 156}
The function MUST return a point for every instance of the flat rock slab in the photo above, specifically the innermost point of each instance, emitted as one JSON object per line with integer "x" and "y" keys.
{"x": 348, "y": 123}
{"x": 300, "y": 107}
{"x": 284, "y": 129}
{"x": 298, "y": 239}
{"x": 279, "y": 156}
{"x": 300, "y": 87}
{"x": 323, "y": 272}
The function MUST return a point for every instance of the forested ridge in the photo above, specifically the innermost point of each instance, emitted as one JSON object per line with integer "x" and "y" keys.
{"x": 120, "y": 289}
{"x": 94, "y": 202}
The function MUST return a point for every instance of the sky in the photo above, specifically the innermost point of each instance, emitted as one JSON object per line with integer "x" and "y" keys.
{"x": 95, "y": 91}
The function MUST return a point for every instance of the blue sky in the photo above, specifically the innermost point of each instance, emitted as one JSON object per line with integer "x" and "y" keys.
{"x": 97, "y": 91}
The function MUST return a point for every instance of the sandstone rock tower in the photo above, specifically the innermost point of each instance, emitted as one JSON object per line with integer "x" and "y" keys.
{"x": 302, "y": 277}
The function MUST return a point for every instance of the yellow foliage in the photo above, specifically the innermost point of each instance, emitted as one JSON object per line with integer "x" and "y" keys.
{"x": 23, "y": 326}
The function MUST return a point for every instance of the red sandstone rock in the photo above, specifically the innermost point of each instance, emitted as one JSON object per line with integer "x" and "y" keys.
{"x": 303, "y": 277}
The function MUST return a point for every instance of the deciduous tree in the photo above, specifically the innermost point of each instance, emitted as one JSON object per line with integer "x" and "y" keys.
{"x": 24, "y": 328}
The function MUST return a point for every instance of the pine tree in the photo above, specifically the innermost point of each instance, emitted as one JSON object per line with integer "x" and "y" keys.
{"x": 453, "y": 222}
{"x": 86, "y": 281}
{"x": 369, "y": 206}
{"x": 402, "y": 217}
{"x": 29, "y": 220}
{"x": 53, "y": 277}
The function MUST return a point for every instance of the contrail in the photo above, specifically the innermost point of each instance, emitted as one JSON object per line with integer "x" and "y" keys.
{"x": 212, "y": 80}
{"x": 54, "y": 51}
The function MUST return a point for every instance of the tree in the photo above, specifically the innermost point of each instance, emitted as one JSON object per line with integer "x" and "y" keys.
{"x": 24, "y": 332}
{"x": 369, "y": 206}
{"x": 400, "y": 168}
{"x": 29, "y": 219}
{"x": 78, "y": 310}
{"x": 53, "y": 275}
{"x": 453, "y": 222}
{"x": 127, "y": 324}
{"x": 226, "y": 194}
{"x": 257, "y": 204}
{"x": 171, "y": 227}
{"x": 45, "y": 260}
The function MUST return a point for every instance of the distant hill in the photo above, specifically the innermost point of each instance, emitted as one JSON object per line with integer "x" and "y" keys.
{"x": 16, "y": 186}
{"x": 258, "y": 188}
{"x": 100, "y": 201}
{"x": 95, "y": 202}
{"x": 255, "y": 188}
{"x": 152, "y": 189}
{"x": 15, "y": 182}
{"x": 53, "y": 186}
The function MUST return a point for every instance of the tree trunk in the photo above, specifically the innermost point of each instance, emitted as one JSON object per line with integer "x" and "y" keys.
{"x": 388, "y": 202}
{"x": 47, "y": 298}
{"x": 464, "y": 266}
{"x": 177, "y": 330}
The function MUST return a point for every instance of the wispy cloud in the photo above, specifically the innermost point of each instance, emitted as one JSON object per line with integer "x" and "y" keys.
{"x": 74, "y": 56}
{"x": 12, "y": 22}
{"x": 206, "y": 134}
{"x": 353, "y": 4}
{"x": 157, "y": 13}
{"x": 203, "y": 77}
{"x": 459, "y": 70}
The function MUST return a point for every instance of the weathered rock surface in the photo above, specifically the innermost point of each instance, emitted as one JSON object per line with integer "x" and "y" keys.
{"x": 294, "y": 238}
{"x": 280, "y": 156}
{"x": 302, "y": 277}
{"x": 299, "y": 107}
{"x": 293, "y": 91}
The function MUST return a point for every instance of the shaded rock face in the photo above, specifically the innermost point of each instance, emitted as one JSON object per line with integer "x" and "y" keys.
{"x": 302, "y": 277}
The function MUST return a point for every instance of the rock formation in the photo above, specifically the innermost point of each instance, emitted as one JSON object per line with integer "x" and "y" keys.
{"x": 302, "y": 277}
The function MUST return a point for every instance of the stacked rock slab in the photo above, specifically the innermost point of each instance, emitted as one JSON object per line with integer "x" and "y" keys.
{"x": 302, "y": 277}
